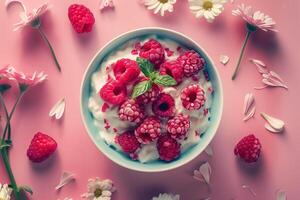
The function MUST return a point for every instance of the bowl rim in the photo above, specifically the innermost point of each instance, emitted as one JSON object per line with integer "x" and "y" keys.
{"x": 218, "y": 118}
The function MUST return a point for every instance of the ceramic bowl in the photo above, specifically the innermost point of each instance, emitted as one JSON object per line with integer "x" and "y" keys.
{"x": 119, "y": 157}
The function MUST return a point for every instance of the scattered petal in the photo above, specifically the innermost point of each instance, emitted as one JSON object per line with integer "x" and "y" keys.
{"x": 106, "y": 4}
{"x": 58, "y": 109}
{"x": 250, "y": 114}
{"x": 271, "y": 129}
{"x": 273, "y": 83}
{"x": 281, "y": 195}
{"x": 258, "y": 62}
{"x": 203, "y": 174}
{"x": 209, "y": 150}
{"x": 248, "y": 102}
{"x": 275, "y": 124}
{"x": 9, "y": 2}
{"x": 247, "y": 187}
{"x": 260, "y": 87}
{"x": 224, "y": 59}
{"x": 65, "y": 178}
{"x": 166, "y": 196}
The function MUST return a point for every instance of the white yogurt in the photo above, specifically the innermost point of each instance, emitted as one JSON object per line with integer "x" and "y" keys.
{"x": 147, "y": 153}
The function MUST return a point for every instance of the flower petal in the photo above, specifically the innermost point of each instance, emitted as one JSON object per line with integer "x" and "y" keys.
{"x": 8, "y": 2}
{"x": 275, "y": 123}
{"x": 203, "y": 174}
{"x": 106, "y": 4}
{"x": 58, "y": 109}
{"x": 224, "y": 59}
{"x": 250, "y": 114}
{"x": 248, "y": 102}
{"x": 65, "y": 178}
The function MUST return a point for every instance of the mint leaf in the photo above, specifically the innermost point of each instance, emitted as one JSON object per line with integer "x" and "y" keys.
{"x": 154, "y": 75}
{"x": 145, "y": 66}
{"x": 165, "y": 80}
{"x": 141, "y": 88}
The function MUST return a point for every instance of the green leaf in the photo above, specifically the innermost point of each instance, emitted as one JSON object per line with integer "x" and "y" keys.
{"x": 165, "y": 80}
{"x": 145, "y": 66}
{"x": 154, "y": 75}
{"x": 141, "y": 88}
{"x": 26, "y": 188}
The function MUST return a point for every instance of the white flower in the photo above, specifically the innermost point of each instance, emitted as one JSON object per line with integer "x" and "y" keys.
{"x": 58, "y": 109}
{"x": 27, "y": 18}
{"x": 166, "y": 196}
{"x": 5, "y": 192}
{"x": 99, "y": 189}
{"x": 160, "y": 6}
{"x": 257, "y": 18}
{"x": 209, "y": 9}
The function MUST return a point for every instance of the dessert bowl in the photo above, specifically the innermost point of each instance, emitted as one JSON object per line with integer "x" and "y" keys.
{"x": 215, "y": 109}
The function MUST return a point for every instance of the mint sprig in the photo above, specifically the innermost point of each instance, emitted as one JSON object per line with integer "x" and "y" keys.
{"x": 154, "y": 77}
{"x": 141, "y": 88}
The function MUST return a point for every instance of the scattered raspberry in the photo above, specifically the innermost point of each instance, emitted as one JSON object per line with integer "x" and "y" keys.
{"x": 178, "y": 126}
{"x": 41, "y": 147}
{"x": 168, "y": 148}
{"x": 172, "y": 68}
{"x": 128, "y": 142}
{"x": 164, "y": 105}
{"x": 126, "y": 70}
{"x": 131, "y": 111}
{"x": 191, "y": 62}
{"x": 113, "y": 92}
{"x": 153, "y": 51}
{"x": 104, "y": 107}
{"x": 81, "y": 18}
{"x": 150, "y": 95}
{"x": 248, "y": 149}
{"x": 169, "y": 52}
{"x": 192, "y": 97}
{"x": 148, "y": 131}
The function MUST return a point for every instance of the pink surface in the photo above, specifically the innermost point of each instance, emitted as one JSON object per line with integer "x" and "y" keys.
{"x": 280, "y": 163}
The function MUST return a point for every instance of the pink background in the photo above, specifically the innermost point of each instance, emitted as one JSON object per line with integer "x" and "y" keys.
{"x": 280, "y": 163}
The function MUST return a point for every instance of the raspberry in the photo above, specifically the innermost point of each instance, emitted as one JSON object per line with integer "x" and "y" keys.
{"x": 81, "y": 18}
{"x": 148, "y": 131}
{"x": 113, "y": 92}
{"x": 126, "y": 70}
{"x": 248, "y": 148}
{"x": 131, "y": 111}
{"x": 41, "y": 147}
{"x": 164, "y": 105}
{"x": 191, "y": 62}
{"x": 178, "y": 126}
{"x": 153, "y": 51}
{"x": 174, "y": 69}
{"x": 168, "y": 148}
{"x": 192, "y": 97}
{"x": 128, "y": 142}
{"x": 150, "y": 95}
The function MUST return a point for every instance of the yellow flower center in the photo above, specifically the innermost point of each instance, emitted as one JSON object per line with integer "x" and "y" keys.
{"x": 98, "y": 192}
{"x": 207, "y": 5}
{"x": 163, "y": 1}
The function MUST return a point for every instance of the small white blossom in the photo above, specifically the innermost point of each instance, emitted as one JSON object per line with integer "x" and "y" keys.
{"x": 5, "y": 192}
{"x": 160, "y": 6}
{"x": 99, "y": 189}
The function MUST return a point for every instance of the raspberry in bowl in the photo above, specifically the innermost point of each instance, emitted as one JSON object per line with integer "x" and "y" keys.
{"x": 151, "y": 100}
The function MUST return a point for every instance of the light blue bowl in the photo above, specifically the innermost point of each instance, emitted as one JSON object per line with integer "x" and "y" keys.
{"x": 122, "y": 159}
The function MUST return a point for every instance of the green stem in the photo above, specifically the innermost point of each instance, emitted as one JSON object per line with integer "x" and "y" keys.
{"x": 6, "y": 114}
{"x": 10, "y": 116}
{"x": 50, "y": 47}
{"x": 241, "y": 55}
{"x": 4, "y": 155}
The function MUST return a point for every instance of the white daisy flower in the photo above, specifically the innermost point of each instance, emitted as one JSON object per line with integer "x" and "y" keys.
{"x": 209, "y": 9}
{"x": 160, "y": 6}
{"x": 5, "y": 192}
{"x": 99, "y": 189}
{"x": 166, "y": 196}
{"x": 58, "y": 109}
{"x": 255, "y": 18}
